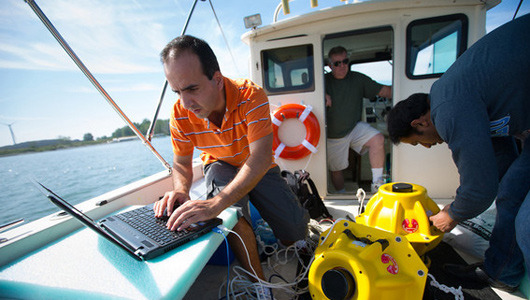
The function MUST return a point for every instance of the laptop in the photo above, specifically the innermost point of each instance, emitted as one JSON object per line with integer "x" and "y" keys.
{"x": 137, "y": 231}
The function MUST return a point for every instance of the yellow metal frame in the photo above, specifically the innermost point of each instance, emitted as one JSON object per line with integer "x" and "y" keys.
{"x": 406, "y": 214}
{"x": 382, "y": 265}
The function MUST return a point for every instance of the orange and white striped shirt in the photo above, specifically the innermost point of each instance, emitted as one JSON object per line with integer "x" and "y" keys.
{"x": 246, "y": 119}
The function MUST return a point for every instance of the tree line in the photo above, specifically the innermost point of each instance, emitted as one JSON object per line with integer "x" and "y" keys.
{"x": 161, "y": 128}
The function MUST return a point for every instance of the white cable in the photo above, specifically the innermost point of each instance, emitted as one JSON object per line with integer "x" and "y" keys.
{"x": 244, "y": 287}
{"x": 263, "y": 284}
{"x": 331, "y": 229}
{"x": 459, "y": 295}
{"x": 255, "y": 275}
{"x": 241, "y": 282}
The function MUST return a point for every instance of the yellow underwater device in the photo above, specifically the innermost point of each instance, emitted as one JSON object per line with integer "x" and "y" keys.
{"x": 404, "y": 209}
{"x": 354, "y": 261}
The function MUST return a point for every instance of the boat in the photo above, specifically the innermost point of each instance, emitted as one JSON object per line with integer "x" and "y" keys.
{"x": 398, "y": 38}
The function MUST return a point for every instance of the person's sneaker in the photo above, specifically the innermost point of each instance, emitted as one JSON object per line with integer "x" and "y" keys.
{"x": 376, "y": 185}
{"x": 475, "y": 273}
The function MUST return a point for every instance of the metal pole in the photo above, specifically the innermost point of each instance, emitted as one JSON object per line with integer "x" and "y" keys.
{"x": 150, "y": 132}
{"x": 92, "y": 79}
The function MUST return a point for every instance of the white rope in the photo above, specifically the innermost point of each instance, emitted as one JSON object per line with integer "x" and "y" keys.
{"x": 361, "y": 194}
{"x": 308, "y": 161}
{"x": 246, "y": 289}
{"x": 459, "y": 295}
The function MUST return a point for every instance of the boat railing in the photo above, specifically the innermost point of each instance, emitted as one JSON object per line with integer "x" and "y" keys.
{"x": 11, "y": 224}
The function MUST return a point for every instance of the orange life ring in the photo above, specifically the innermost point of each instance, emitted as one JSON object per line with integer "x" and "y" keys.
{"x": 310, "y": 121}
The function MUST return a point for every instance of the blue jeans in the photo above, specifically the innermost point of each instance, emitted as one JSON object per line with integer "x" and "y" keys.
{"x": 509, "y": 250}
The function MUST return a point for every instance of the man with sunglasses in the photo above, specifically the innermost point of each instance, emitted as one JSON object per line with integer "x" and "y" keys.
{"x": 345, "y": 90}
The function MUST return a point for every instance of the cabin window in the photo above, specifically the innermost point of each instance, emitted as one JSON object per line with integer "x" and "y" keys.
{"x": 434, "y": 44}
{"x": 289, "y": 69}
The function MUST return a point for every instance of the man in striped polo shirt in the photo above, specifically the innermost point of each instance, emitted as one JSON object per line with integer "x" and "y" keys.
{"x": 229, "y": 120}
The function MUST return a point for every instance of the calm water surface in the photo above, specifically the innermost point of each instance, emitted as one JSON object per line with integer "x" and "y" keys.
{"x": 75, "y": 174}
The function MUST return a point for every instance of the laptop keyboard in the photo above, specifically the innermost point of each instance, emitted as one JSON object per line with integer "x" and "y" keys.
{"x": 144, "y": 220}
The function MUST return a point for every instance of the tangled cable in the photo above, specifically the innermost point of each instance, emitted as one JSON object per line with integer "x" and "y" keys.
{"x": 241, "y": 285}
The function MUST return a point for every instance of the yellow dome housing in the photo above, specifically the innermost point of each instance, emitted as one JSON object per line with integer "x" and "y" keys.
{"x": 404, "y": 209}
{"x": 354, "y": 261}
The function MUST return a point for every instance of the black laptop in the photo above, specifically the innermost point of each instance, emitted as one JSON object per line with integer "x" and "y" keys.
{"x": 137, "y": 231}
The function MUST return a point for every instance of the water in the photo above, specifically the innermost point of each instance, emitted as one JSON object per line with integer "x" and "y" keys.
{"x": 75, "y": 174}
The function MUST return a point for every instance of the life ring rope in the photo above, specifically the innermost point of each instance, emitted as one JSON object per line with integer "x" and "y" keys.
{"x": 312, "y": 130}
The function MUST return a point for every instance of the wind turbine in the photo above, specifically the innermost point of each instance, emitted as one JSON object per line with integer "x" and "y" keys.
{"x": 11, "y": 130}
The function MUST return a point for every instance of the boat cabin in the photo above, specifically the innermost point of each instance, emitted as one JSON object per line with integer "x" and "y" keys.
{"x": 403, "y": 44}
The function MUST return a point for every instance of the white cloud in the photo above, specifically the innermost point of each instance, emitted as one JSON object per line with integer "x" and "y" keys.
{"x": 117, "y": 87}
{"x": 109, "y": 37}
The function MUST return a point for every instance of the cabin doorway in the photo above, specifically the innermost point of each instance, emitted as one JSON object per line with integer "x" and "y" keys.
{"x": 369, "y": 52}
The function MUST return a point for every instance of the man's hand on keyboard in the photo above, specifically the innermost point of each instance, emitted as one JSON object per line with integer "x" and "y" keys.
{"x": 193, "y": 211}
{"x": 170, "y": 201}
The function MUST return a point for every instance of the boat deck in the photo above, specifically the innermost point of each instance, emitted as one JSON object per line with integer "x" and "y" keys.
{"x": 84, "y": 265}
{"x": 211, "y": 282}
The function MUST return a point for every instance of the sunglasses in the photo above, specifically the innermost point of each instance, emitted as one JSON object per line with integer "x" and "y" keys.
{"x": 344, "y": 61}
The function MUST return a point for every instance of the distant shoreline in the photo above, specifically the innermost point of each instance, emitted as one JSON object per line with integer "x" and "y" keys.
{"x": 45, "y": 145}
{"x": 121, "y": 134}
{"x": 55, "y": 144}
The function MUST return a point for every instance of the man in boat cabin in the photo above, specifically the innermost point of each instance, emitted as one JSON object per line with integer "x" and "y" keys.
{"x": 345, "y": 90}
{"x": 479, "y": 107}
{"x": 229, "y": 120}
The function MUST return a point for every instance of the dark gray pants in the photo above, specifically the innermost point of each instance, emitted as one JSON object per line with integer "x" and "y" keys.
{"x": 272, "y": 197}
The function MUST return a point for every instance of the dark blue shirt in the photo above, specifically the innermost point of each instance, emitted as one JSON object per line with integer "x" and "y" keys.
{"x": 485, "y": 93}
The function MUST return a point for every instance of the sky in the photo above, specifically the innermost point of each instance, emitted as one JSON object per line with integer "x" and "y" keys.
{"x": 43, "y": 95}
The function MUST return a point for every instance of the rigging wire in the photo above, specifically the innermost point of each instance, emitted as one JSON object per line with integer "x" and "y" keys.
{"x": 517, "y": 10}
{"x": 51, "y": 28}
{"x": 151, "y": 131}
{"x": 224, "y": 37}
